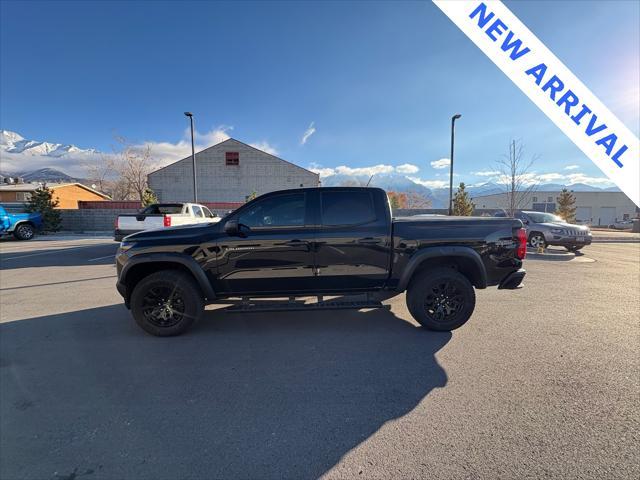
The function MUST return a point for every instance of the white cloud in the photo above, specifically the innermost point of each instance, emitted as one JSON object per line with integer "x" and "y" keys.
{"x": 265, "y": 147}
{"x": 324, "y": 172}
{"x": 403, "y": 169}
{"x": 430, "y": 183}
{"x": 550, "y": 177}
{"x": 307, "y": 133}
{"x": 212, "y": 137}
{"x": 407, "y": 168}
{"x": 486, "y": 173}
{"x": 442, "y": 163}
{"x": 593, "y": 181}
{"x": 572, "y": 167}
{"x": 533, "y": 178}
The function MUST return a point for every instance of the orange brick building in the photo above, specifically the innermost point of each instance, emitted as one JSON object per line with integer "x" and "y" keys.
{"x": 68, "y": 194}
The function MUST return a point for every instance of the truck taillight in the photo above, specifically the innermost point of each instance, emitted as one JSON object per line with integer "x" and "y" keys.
{"x": 521, "y": 251}
{"x": 115, "y": 224}
{"x": 167, "y": 221}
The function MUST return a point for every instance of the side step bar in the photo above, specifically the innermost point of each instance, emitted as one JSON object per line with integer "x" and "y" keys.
{"x": 248, "y": 305}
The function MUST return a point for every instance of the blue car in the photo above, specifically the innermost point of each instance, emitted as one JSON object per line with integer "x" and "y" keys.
{"x": 23, "y": 226}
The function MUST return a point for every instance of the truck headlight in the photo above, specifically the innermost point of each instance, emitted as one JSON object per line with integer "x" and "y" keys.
{"x": 557, "y": 231}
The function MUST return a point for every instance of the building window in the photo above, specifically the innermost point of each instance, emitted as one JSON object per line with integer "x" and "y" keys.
{"x": 549, "y": 199}
{"x": 535, "y": 199}
{"x": 232, "y": 158}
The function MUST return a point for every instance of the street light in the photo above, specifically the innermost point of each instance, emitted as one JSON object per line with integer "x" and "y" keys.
{"x": 453, "y": 124}
{"x": 193, "y": 159}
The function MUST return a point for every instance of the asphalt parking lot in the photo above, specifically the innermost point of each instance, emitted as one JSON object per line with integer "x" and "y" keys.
{"x": 542, "y": 382}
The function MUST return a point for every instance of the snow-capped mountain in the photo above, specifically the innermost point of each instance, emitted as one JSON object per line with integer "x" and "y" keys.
{"x": 12, "y": 142}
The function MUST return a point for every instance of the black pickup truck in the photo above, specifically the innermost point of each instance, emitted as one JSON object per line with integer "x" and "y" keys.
{"x": 319, "y": 242}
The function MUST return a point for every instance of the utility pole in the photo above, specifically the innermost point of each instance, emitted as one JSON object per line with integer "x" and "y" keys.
{"x": 453, "y": 124}
{"x": 193, "y": 159}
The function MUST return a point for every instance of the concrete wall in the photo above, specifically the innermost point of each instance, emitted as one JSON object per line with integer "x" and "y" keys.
{"x": 100, "y": 220}
{"x": 257, "y": 172}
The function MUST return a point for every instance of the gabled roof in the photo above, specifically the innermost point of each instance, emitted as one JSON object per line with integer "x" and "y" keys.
{"x": 230, "y": 139}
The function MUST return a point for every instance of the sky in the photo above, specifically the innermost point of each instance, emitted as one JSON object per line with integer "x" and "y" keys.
{"x": 349, "y": 87}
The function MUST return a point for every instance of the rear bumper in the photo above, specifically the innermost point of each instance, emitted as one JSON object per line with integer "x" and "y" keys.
{"x": 513, "y": 280}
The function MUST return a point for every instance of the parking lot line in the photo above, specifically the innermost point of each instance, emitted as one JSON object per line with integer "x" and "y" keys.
{"x": 49, "y": 252}
{"x": 101, "y": 258}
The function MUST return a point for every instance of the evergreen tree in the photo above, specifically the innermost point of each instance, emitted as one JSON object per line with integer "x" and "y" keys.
{"x": 251, "y": 196}
{"x": 148, "y": 197}
{"x": 42, "y": 202}
{"x": 462, "y": 205}
{"x": 566, "y": 206}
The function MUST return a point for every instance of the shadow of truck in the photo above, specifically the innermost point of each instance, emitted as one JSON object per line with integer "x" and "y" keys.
{"x": 273, "y": 395}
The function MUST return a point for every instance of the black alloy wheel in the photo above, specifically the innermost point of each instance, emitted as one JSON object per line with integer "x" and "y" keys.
{"x": 167, "y": 303}
{"x": 441, "y": 299}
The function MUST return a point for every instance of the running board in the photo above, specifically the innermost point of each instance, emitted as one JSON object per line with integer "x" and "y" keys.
{"x": 246, "y": 305}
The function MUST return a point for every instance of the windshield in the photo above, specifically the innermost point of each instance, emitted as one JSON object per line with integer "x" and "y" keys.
{"x": 539, "y": 217}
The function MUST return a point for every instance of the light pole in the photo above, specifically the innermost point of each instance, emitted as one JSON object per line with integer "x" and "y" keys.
{"x": 453, "y": 124}
{"x": 193, "y": 159}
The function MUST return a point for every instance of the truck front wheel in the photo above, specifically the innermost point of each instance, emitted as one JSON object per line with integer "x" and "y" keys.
{"x": 167, "y": 303}
{"x": 24, "y": 231}
{"x": 441, "y": 299}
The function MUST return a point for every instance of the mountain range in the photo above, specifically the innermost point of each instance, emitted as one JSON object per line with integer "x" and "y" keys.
{"x": 12, "y": 142}
{"x": 439, "y": 197}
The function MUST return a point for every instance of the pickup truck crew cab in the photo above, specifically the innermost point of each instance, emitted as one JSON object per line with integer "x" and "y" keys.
{"x": 319, "y": 241}
{"x": 22, "y": 225}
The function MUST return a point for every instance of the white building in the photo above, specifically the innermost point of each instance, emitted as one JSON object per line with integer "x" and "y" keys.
{"x": 228, "y": 172}
{"x": 595, "y": 208}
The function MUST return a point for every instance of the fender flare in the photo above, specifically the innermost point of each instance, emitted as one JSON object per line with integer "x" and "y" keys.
{"x": 20, "y": 222}
{"x": 176, "y": 258}
{"x": 428, "y": 253}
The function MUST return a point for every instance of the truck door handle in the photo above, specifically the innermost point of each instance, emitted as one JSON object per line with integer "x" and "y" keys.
{"x": 369, "y": 241}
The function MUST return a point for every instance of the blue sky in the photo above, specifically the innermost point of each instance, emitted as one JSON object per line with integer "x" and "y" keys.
{"x": 379, "y": 80}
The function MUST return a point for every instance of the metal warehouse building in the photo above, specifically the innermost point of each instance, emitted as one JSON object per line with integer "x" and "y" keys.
{"x": 595, "y": 208}
{"x": 228, "y": 172}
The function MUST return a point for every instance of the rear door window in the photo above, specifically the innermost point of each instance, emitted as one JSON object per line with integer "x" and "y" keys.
{"x": 347, "y": 208}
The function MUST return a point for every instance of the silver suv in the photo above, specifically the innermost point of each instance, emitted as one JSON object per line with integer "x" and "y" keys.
{"x": 547, "y": 229}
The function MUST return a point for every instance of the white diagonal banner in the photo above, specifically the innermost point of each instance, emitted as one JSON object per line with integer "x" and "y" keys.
{"x": 552, "y": 87}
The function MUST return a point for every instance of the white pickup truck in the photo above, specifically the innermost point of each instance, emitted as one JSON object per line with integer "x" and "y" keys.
{"x": 162, "y": 215}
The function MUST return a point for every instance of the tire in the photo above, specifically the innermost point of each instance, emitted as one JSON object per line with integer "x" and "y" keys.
{"x": 174, "y": 289}
{"x": 24, "y": 231}
{"x": 433, "y": 293}
{"x": 536, "y": 239}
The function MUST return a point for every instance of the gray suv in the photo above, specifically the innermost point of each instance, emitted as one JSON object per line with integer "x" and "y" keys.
{"x": 547, "y": 229}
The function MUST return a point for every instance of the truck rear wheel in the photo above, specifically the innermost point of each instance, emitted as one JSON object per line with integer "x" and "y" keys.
{"x": 441, "y": 299}
{"x": 167, "y": 303}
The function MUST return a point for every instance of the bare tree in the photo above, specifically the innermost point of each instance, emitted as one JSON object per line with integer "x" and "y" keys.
{"x": 123, "y": 174}
{"x": 100, "y": 173}
{"x": 516, "y": 177}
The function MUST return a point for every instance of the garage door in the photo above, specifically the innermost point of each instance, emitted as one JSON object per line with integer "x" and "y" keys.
{"x": 607, "y": 215}
{"x": 583, "y": 214}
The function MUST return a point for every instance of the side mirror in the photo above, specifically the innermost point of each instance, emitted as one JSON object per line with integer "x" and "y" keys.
{"x": 526, "y": 222}
{"x": 235, "y": 229}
